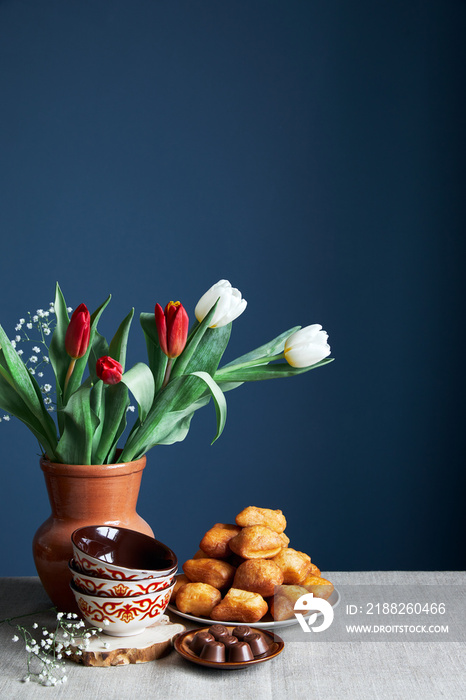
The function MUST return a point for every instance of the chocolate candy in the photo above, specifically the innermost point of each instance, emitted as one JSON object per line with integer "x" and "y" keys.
{"x": 215, "y": 644}
{"x": 240, "y": 652}
{"x": 199, "y": 640}
{"x": 229, "y": 640}
{"x": 242, "y": 632}
{"x": 258, "y": 644}
{"x": 213, "y": 651}
{"x": 218, "y": 630}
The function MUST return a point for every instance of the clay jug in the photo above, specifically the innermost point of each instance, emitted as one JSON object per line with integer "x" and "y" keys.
{"x": 103, "y": 494}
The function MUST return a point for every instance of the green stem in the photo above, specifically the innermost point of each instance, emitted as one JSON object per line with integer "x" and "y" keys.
{"x": 18, "y": 617}
{"x": 252, "y": 363}
{"x": 68, "y": 374}
{"x": 167, "y": 372}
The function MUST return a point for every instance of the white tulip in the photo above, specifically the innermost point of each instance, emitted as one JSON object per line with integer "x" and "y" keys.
{"x": 307, "y": 346}
{"x": 229, "y": 307}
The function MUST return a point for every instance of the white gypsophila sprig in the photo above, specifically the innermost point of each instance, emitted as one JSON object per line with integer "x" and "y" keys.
{"x": 46, "y": 659}
{"x": 34, "y": 351}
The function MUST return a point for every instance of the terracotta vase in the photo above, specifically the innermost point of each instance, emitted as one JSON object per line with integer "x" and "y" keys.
{"x": 103, "y": 494}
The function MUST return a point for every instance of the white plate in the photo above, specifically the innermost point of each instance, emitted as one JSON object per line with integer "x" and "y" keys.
{"x": 265, "y": 624}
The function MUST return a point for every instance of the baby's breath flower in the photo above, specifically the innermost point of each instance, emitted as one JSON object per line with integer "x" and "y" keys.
{"x": 40, "y": 374}
{"x": 35, "y": 319}
{"x": 13, "y": 343}
{"x": 131, "y": 408}
{"x": 15, "y": 638}
{"x": 33, "y": 358}
{"x": 18, "y": 327}
{"x": 20, "y": 352}
{"x": 29, "y": 326}
{"x": 35, "y": 626}
{"x": 35, "y": 348}
{"x": 6, "y": 417}
{"x": 18, "y": 338}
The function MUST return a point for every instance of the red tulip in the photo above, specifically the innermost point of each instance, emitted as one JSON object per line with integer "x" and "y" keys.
{"x": 172, "y": 328}
{"x": 108, "y": 370}
{"x": 78, "y": 332}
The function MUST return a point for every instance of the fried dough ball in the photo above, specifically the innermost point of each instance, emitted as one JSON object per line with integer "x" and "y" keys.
{"x": 259, "y": 576}
{"x": 181, "y": 579}
{"x": 215, "y": 541}
{"x": 313, "y": 571}
{"x": 295, "y": 565}
{"x": 274, "y": 519}
{"x": 284, "y": 539}
{"x": 240, "y": 606}
{"x": 200, "y": 555}
{"x": 215, "y": 572}
{"x": 197, "y": 599}
{"x": 256, "y": 542}
{"x": 320, "y": 587}
{"x": 283, "y": 602}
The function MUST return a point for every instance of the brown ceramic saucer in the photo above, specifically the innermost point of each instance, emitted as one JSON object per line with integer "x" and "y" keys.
{"x": 182, "y": 641}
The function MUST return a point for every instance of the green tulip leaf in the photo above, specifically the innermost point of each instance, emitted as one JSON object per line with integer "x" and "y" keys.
{"x": 273, "y": 347}
{"x": 119, "y": 342}
{"x": 219, "y": 401}
{"x": 172, "y": 411}
{"x": 277, "y": 370}
{"x": 116, "y": 402}
{"x": 111, "y": 457}
{"x": 59, "y": 358}
{"x": 97, "y": 402}
{"x": 75, "y": 445}
{"x": 11, "y": 401}
{"x": 140, "y": 382}
{"x": 16, "y": 375}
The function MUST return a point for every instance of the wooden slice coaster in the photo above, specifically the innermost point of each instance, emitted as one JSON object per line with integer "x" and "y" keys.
{"x": 105, "y": 650}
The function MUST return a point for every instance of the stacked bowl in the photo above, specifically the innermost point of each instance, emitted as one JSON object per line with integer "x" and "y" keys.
{"x": 122, "y": 580}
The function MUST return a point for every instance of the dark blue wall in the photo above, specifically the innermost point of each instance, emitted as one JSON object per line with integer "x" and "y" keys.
{"x": 313, "y": 153}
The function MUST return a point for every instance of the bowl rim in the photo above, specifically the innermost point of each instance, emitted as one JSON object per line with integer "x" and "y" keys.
{"x": 75, "y": 570}
{"x": 116, "y": 599}
{"x": 169, "y": 553}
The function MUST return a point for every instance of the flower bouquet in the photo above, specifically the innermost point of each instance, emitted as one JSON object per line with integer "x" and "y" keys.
{"x": 181, "y": 375}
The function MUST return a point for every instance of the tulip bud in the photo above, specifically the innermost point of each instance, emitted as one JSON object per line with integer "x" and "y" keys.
{"x": 172, "y": 328}
{"x": 78, "y": 332}
{"x": 307, "y": 346}
{"x": 108, "y": 370}
{"x": 229, "y": 307}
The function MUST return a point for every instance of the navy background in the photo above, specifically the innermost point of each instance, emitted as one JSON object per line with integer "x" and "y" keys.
{"x": 313, "y": 153}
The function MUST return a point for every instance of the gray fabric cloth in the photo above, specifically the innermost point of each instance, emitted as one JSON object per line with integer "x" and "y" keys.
{"x": 335, "y": 670}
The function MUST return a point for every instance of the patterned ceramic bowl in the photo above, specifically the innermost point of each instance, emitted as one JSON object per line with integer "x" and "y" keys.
{"x": 122, "y": 617}
{"x": 121, "y": 554}
{"x": 110, "y": 588}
